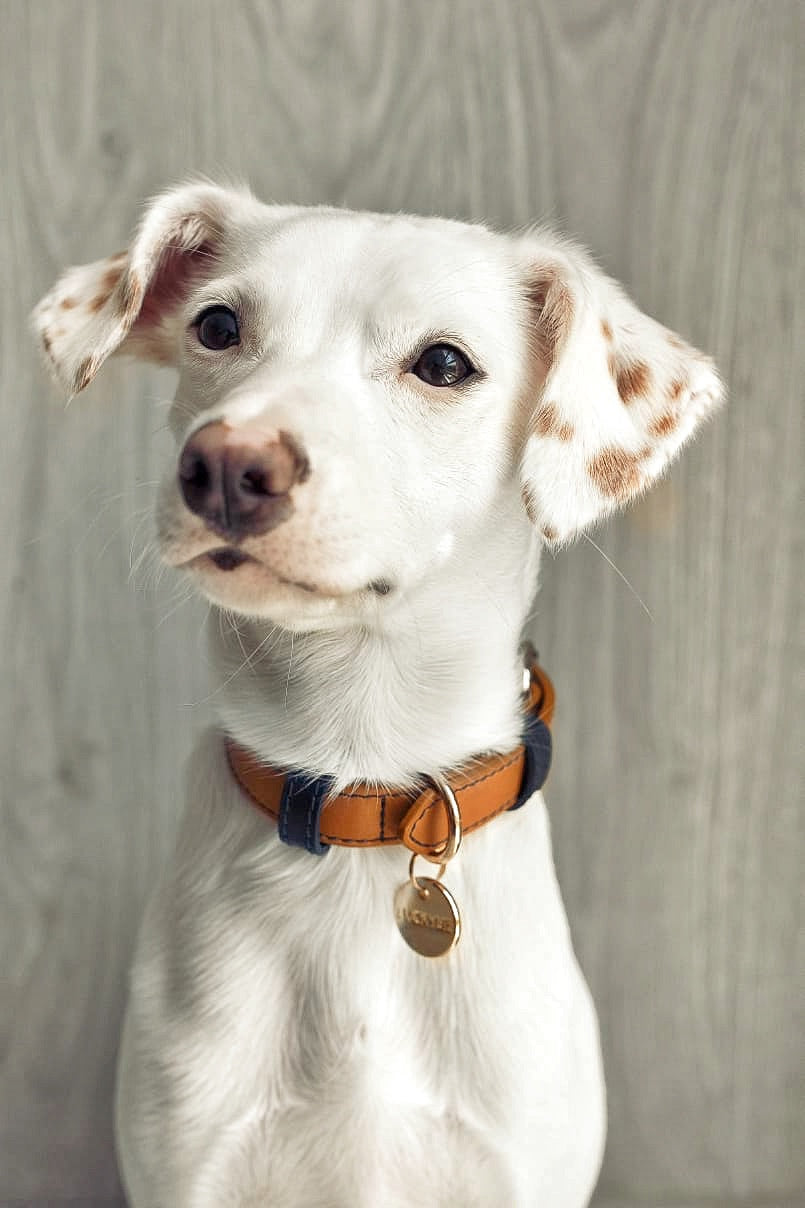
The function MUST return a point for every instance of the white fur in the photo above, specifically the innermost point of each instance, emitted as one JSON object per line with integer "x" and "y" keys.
{"x": 282, "y": 1046}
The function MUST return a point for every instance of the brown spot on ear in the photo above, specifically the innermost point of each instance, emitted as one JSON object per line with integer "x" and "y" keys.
{"x": 46, "y": 344}
{"x": 68, "y": 303}
{"x": 110, "y": 279}
{"x": 84, "y": 374}
{"x": 607, "y": 330}
{"x": 553, "y": 302}
{"x": 549, "y": 533}
{"x": 530, "y": 504}
{"x": 98, "y": 303}
{"x": 676, "y": 388}
{"x": 546, "y": 422}
{"x": 664, "y": 424}
{"x": 633, "y": 378}
{"x": 616, "y": 472}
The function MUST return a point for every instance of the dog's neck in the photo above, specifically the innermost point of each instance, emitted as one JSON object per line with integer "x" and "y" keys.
{"x": 434, "y": 682}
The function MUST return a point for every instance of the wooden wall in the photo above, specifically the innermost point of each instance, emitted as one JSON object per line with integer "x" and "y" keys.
{"x": 668, "y": 134}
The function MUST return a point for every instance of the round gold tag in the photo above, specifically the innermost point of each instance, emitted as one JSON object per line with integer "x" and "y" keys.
{"x": 427, "y": 916}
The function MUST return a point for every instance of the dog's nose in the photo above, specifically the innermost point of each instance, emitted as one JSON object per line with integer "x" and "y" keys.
{"x": 238, "y": 480}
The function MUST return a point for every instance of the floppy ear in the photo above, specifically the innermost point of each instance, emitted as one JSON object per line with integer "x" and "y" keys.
{"x": 125, "y": 302}
{"x": 621, "y": 393}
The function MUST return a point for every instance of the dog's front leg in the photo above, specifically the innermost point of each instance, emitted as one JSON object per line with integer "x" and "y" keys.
{"x": 208, "y": 1007}
{"x": 186, "y": 1104}
{"x": 162, "y": 1123}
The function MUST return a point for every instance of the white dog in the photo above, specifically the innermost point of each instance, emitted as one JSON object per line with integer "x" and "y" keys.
{"x": 380, "y": 422}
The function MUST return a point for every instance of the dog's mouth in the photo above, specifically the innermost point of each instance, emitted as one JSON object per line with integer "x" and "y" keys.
{"x": 226, "y": 558}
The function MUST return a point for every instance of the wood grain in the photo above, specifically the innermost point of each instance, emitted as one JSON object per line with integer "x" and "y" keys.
{"x": 669, "y": 136}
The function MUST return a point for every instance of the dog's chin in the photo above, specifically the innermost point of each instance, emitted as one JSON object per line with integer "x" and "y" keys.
{"x": 244, "y": 585}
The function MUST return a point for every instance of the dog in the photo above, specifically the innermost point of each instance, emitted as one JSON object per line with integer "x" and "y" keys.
{"x": 380, "y": 421}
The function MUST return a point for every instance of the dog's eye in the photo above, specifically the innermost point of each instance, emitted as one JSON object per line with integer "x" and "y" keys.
{"x": 218, "y": 328}
{"x": 442, "y": 365}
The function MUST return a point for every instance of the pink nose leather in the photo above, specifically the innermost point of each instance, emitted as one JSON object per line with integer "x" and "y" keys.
{"x": 238, "y": 480}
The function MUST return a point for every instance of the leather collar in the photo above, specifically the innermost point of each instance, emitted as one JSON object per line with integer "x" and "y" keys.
{"x": 367, "y": 815}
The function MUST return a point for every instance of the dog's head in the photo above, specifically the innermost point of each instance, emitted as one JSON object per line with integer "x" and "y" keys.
{"x": 355, "y": 390}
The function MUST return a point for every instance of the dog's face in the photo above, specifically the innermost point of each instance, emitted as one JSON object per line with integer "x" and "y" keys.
{"x": 358, "y": 383}
{"x": 357, "y": 391}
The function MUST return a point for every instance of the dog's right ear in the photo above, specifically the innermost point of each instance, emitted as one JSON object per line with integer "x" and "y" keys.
{"x": 621, "y": 394}
{"x": 123, "y": 303}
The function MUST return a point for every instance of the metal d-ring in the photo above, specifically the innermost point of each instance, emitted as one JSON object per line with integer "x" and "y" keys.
{"x": 453, "y": 840}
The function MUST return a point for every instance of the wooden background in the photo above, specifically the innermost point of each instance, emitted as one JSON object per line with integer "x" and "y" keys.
{"x": 668, "y": 134}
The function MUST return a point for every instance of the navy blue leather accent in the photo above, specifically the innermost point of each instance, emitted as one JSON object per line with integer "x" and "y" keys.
{"x": 300, "y": 811}
{"x": 538, "y": 751}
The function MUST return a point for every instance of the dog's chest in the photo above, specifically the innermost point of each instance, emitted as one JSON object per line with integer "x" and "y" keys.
{"x": 318, "y": 976}
{"x": 385, "y": 1058}
{"x": 304, "y": 1048}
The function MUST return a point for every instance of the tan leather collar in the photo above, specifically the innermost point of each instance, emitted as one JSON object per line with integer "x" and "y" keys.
{"x": 366, "y": 815}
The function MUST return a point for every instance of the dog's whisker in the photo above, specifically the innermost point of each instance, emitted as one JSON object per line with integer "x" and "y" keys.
{"x": 182, "y": 408}
{"x": 155, "y": 569}
{"x": 235, "y": 627}
{"x": 220, "y": 687}
{"x": 138, "y": 526}
{"x": 621, "y": 575}
{"x": 185, "y": 598}
{"x": 66, "y": 519}
{"x": 288, "y": 677}
{"x": 135, "y": 564}
{"x": 154, "y": 572}
{"x": 103, "y": 509}
{"x": 138, "y": 516}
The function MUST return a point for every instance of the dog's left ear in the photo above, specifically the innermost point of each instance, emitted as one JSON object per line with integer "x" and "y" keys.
{"x": 127, "y": 302}
{"x": 620, "y": 395}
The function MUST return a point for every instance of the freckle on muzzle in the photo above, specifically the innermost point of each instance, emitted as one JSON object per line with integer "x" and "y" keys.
{"x": 239, "y": 482}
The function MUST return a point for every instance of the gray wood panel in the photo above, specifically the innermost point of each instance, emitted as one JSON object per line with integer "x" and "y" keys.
{"x": 668, "y": 135}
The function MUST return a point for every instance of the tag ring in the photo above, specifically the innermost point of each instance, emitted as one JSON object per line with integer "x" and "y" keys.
{"x": 453, "y": 841}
